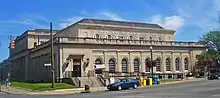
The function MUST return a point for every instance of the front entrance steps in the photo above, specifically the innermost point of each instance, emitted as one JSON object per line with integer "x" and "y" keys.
{"x": 82, "y": 81}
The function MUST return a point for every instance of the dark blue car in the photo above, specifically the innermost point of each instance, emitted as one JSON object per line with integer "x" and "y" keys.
{"x": 124, "y": 83}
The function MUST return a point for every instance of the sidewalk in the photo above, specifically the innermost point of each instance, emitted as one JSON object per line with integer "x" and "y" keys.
{"x": 68, "y": 91}
{"x": 14, "y": 90}
{"x": 79, "y": 90}
{"x": 185, "y": 80}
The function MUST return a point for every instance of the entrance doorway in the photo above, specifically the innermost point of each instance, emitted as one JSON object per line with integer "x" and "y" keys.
{"x": 76, "y": 68}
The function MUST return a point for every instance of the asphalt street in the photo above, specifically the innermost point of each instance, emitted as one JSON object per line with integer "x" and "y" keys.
{"x": 199, "y": 89}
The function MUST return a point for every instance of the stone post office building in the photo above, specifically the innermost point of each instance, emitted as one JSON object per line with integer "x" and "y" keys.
{"x": 91, "y": 46}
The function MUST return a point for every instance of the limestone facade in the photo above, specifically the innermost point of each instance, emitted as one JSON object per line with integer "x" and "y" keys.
{"x": 111, "y": 46}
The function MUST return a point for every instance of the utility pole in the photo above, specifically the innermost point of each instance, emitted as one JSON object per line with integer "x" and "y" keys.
{"x": 52, "y": 56}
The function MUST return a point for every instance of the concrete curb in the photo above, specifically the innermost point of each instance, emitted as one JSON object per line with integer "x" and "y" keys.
{"x": 71, "y": 91}
{"x": 5, "y": 92}
{"x": 75, "y": 92}
{"x": 175, "y": 82}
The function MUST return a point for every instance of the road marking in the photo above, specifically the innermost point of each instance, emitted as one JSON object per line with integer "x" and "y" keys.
{"x": 216, "y": 95}
{"x": 136, "y": 96}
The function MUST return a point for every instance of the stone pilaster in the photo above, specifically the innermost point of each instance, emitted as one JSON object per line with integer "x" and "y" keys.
{"x": 131, "y": 64}
{"x": 105, "y": 61}
{"x": 163, "y": 64}
{"x": 182, "y": 67}
{"x": 172, "y": 62}
{"x": 142, "y": 62}
{"x": 153, "y": 58}
{"x": 191, "y": 60}
{"x": 118, "y": 64}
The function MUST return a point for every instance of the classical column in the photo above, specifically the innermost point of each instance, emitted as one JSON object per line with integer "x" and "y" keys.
{"x": 106, "y": 66}
{"x": 172, "y": 63}
{"x": 131, "y": 64}
{"x": 118, "y": 64}
{"x": 105, "y": 61}
{"x": 191, "y": 60}
{"x": 153, "y": 58}
{"x": 182, "y": 68}
{"x": 142, "y": 62}
{"x": 163, "y": 64}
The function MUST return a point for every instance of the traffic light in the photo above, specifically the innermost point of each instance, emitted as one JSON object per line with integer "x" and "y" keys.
{"x": 12, "y": 44}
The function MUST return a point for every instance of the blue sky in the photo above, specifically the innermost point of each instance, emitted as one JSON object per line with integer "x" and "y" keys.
{"x": 190, "y": 18}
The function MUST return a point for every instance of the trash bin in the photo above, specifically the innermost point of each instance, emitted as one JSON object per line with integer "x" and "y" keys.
{"x": 147, "y": 81}
{"x": 155, "y": 80}
{"x": 142, "y": 82}
{"x": 87, "y": 88}
{"x": 150, "y": 81}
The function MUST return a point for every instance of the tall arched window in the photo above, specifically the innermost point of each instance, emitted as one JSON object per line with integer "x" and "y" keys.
{"x": 124, "y": 64}
{"x": 168, "y": 65}
{"x": 158, "y": 65}
{"x": 186, "y": 64}
{"x": 136, "y": 65}
{"x": 111, "y": 64}
{"x": 177, "y": 64}
{"x": 98, "y": 61}
{"x": 147, "y": 69}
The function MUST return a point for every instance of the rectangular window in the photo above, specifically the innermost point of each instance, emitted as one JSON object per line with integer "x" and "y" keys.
{"x": 131, "y": 37}
{"x": 141, "y": 38}
{"x": 120, "y": 38}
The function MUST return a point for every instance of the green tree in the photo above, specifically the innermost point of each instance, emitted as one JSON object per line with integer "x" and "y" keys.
{"x": 212, "y": 41}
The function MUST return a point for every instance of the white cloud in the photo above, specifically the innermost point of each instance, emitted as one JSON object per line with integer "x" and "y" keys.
{"x": 174, "y": 22}
{"x": 37, "y": 21}
{"x": 203, "y": 15}
{"x": 171, "y": 22}
{"x": 111, "y": 16}
{"x": 70, "y": 21}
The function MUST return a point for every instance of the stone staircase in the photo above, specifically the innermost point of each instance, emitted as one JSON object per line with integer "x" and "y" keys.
{"x": 82, "y": 81}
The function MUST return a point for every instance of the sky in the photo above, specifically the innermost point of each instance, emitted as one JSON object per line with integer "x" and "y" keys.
{"x": 189, "y": 18}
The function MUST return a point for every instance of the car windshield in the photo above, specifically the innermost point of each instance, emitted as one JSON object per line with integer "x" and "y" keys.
{"x": 120, "y": 80}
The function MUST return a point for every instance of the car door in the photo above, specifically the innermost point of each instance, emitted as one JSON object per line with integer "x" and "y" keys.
{"x": 130, "y": 83}
{"x": 125, "y": 83}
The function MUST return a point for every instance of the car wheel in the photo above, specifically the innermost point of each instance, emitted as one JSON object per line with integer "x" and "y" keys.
{"x": 119, "y": 88}
{"x": 135, "y": 86}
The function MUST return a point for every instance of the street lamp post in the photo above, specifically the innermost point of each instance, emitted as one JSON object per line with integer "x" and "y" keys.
{"x": 151, "y": 56}
{"x": 52, "y": 57}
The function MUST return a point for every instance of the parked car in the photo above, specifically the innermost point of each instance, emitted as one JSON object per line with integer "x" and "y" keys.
{"x": 124, "y": 83}
{"x": 213, "y": 76}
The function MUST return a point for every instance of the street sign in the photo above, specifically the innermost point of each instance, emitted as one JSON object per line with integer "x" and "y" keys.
{"x": 47, "y": 64}
{"x": 99, "y": 66}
